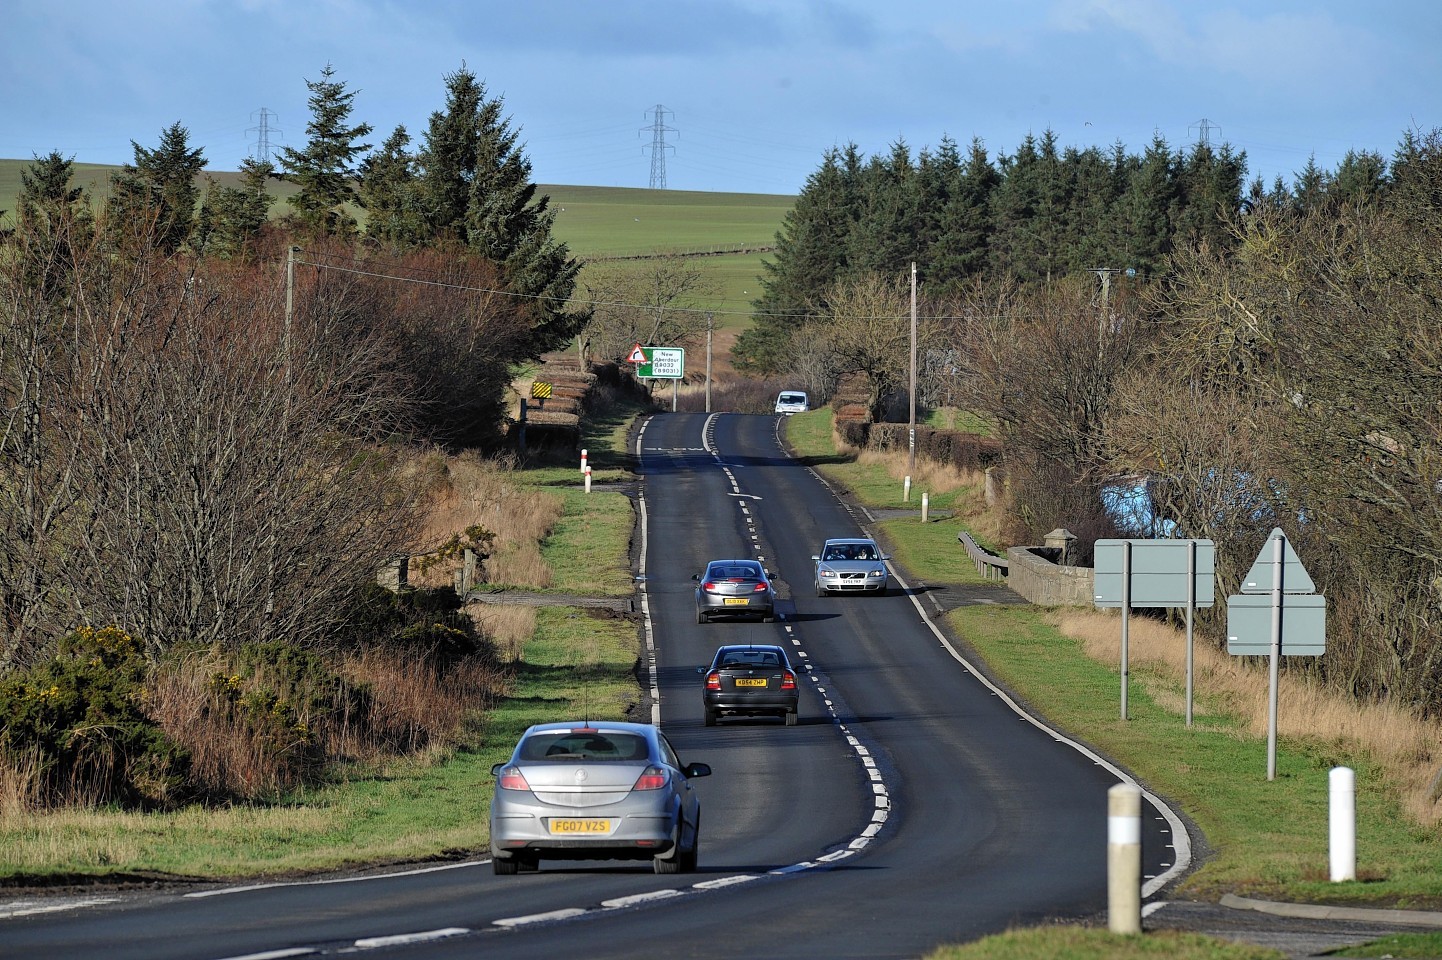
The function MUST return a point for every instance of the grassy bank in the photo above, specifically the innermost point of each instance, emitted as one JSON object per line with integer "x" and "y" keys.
{"x": 1263, "y": 839}
{"x": 565, "y": 661}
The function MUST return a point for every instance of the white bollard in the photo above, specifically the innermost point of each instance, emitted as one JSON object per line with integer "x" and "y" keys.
{"x": 1124, "y": 858}
{"x": 588, "y": 479}
{"x": 906, "y": 490}
{"x": 925, "y": 504}
{"x": 583, "y": 461}
{"x": 1342, "y": 821}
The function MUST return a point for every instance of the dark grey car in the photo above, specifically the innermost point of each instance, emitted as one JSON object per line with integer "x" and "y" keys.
{"x": 595, "y": 791}
{"x": 734, "y": 588}
{"x": 750, "y": 680}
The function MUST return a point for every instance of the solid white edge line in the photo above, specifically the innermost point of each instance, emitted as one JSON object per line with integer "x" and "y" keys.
{"x": 276, "y": 954}
{"x": 202, "y": 894}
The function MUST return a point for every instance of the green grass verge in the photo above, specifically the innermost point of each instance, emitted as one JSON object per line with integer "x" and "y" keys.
{"x": 1402, "y": 945}
{"x": 1077, "y": 943}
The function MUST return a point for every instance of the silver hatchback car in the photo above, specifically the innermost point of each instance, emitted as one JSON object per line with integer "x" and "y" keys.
{"x": 595, "y": 791}
{"x": 851, "y": 565}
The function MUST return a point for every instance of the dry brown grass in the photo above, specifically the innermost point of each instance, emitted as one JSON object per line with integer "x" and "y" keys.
{"x": 508, "y": 625}
{"x": 414, "y": 704}
{"x": 1405, "y": 746}
{"x": 471, "y": 491}
{"x": 986, "y": 523}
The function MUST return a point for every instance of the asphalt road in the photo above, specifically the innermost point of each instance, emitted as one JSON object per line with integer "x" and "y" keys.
{"x": 910, "y": 807}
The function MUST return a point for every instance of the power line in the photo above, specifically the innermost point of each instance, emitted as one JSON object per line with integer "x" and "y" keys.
{"x": 658, "y": 146}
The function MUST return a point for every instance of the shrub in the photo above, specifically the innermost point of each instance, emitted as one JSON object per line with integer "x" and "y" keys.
{"x": 78, "y": 723}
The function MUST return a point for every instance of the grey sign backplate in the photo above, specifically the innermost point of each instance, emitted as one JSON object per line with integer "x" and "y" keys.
{"x": 1304, "y": 625}
{"x": 1295, "y": 578}
{"x": 1159, "y": 573}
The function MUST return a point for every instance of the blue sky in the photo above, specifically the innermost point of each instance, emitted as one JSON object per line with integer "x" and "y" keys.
{"x": 754, "y": 91}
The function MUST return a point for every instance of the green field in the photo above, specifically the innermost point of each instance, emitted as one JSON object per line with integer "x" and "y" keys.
{"x": 728, "y": 233}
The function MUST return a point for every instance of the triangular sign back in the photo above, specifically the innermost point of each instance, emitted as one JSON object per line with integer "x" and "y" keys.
{"x": 1295, "y": 578}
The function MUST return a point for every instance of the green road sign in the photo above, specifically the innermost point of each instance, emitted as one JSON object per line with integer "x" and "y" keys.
{"x": 663, "y": 363}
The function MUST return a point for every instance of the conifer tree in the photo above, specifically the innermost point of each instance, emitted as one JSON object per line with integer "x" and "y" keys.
{"x": 810, "y": 257}
{"x": 325, "y": 169}
{"x": 232, "y": 218}
{"x": 1144, "y": 213}
{"x": 391, "y": 194}
{"x": 53, "y": 219}
{"x": 888, "y": 232}
{"x": 158, "y": 189}
{"x": 959, "y": 251}
{"x": 448, "y": 155}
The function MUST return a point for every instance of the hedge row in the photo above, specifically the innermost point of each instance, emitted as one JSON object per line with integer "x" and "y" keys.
{"x": 966, "y": 451}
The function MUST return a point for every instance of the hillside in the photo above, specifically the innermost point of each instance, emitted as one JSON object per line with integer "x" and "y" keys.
{"x": 600, "y": 224}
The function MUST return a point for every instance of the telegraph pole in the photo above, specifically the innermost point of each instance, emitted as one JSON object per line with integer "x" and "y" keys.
{"x": 911, "y": 432}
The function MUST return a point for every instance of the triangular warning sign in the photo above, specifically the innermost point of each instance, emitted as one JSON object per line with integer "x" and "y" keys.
{"x": 1262, "y": 576}
{"x": 637, "y": 355}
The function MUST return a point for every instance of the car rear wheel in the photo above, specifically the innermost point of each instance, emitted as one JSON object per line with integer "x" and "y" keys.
{"x": 710, "y": 717}
{"x": 701, "y": 616}
{"x": 768, "y": 617}
{"x": 690, "y": 858}
{"x": 791, "y": 718}
{"x": 505, "y": 868}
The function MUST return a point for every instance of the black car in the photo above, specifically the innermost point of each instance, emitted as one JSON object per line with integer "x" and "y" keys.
{"x": 734, "y": 588}
{"x": 750, "y": 680}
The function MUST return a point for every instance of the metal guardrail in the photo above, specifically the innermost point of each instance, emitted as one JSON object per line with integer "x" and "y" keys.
{"x": 987, "y": 564}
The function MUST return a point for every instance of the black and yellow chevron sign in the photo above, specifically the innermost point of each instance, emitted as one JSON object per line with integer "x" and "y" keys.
{"x": 540, "y": 390}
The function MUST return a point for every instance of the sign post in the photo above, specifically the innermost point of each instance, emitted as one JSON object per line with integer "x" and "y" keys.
{"x": 661, "y": 363}
{"x": 1296, "y": 624}
{"x": 1154, "y": 573}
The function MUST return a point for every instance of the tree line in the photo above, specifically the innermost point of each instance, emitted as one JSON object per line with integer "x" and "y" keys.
{"x": 1162, "y": 352}
{"x": 209, "y": 418}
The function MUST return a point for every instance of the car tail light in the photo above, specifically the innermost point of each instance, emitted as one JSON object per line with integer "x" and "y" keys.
{"x": 713, "y": 681}
{"x": 511, "y": 779}
{"x": 759, "y": 587}
{"x": 709, "y": 585}
{"x": 788, "y": 681}
{"x": 652, "y": 778}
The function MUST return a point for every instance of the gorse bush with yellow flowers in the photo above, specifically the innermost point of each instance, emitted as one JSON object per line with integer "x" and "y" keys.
{"x": 79, "y": 724}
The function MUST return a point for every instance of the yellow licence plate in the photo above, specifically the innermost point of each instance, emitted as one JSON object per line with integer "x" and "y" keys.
{"x": 750, "y": 681}
{"x": 736, "y": 601}
{"x": 579, "y": 826}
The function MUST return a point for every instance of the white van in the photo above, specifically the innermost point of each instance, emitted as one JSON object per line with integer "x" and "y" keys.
{"x": 792, "y": 401}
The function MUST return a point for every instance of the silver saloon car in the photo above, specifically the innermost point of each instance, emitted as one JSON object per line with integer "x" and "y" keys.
{"x": 734, "y": 588}
{"x": 595, "y": 791}
{"x": 851, "y": 565}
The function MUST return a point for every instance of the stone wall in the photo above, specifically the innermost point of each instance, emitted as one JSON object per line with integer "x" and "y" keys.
{"x": 1045, "y": 583}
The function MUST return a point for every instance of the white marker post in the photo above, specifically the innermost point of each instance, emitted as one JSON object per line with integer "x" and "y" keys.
{"x": 1342, "y": 823}
{"x": 925, "y": 505}
{"x": 1124, "y": 858}
{"x": 583, "y": 461}
{"x": 906, "y": 490}
{"x": 588, "y": 478}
